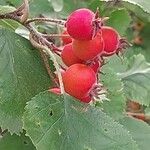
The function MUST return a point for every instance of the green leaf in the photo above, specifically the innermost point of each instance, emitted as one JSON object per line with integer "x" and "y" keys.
{"x": 97, "y": 3}
{"x": 146, "y": 46}
{"x": 22, "y": 75}
{"x": 12, "y": 3}
{"x": 6, "y": 9}
{"x": 60, "y": 123}
{"x": 137, "y": 80}
{"x": 3, "y": 2}
{"x": 9, "y": 24}
{"x": 135, "y": 50}
{"x": 118, "y": 64}
{"x": 135, "y": 9}
{"x": 139, "y": 130}
{"x": 14, "y": 142}
{"x": 120, "y": 20}
{"x": 5, "y": 22}
{"x": 147, "y": 111}
{"x": 40, "y": 7}
{"x": 114, "y": 107}
{"x": 57, "y": 5}
{"x": 144, "y": 4}
{"x": 36, "y": 6}
{"x": 69, "y": 6}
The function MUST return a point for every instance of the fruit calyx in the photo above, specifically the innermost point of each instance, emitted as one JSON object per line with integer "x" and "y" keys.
{"x": 123, "y": 44}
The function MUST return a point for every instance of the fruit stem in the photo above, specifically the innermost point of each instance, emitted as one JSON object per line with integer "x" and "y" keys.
{"x": 61, "y": 22}
{"x": 54, "y": 35}
{"x": 46, "y": 63}
{"x": 53, "y": 58}
{"x": 25, "y": 11}
{"x": 138, "y": 115}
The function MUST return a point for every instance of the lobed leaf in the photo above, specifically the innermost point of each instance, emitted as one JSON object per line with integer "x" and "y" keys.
{"x": 15, "y": 142}
{"x": 137, "y": 80}
{"x": 6, "y": 9}
{"x": 139, "y": 130}
{"x": 60, "y": 123}
{"x": 144, "y": 4}
{"x": 22, "y": 75}
{"x": 120, "y": 20}
{"x": 114, "y": 107}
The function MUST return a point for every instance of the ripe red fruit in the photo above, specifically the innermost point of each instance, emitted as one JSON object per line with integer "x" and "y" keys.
{"x": 79, "y": 80}
{"x": 87, "y": 50}
{"x": 80, "y": 24}
{"x": 68, "y": 56}
{"x": 66, "y": 38}
{"x": 86, "y": 99}
{"x": 111, "y": 39}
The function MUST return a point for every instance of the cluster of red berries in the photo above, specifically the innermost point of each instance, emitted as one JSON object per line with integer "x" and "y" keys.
{"x": 86, "y": 43}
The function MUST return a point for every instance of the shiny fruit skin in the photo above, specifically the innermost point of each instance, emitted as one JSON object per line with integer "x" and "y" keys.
{"x": 79, "y": 80}
{"x": 86, "y": 99}
{"x": 111, "y": 40}
{"x": 80, "y": 24}
{"x": 68, "y": 56}
{"x": 88, "y": 50}
{"x": 66, "y": 40}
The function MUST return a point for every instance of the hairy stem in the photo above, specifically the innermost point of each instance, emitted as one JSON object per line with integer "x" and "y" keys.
{"x": 52, "y": 57}
{"x": 61, "y": 22}
{"x": 25, "y": 15}
{"x": 55, "y": 35}
{"x": 46, "y": 63}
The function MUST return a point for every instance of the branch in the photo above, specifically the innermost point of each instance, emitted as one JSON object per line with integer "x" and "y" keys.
{"x": 46, "y": 63}
{"x": 20, "y": 15}
{"x": 61, "y": 22}
{"x": 55, "y": 35}
{"x": 25, "y": 11}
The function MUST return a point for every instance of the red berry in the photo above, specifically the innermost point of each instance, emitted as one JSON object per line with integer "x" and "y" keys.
{"x": 86, "y": 99}
{"x": 87, "y": 50}
{"x": 111, "y": 40}
{"x": 68, "y": 56}
{"x": 79, "y": 80}
{"x": 66, "y": 38}
{"x": 80, "y": 24}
